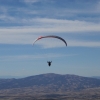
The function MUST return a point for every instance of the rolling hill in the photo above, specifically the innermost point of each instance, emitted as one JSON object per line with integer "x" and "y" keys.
{"x": 50, "y": 87}
{"x": 51, "y": 81}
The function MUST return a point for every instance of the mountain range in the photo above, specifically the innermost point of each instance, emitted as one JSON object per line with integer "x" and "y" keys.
{"x": 51, "y": 81}
{"x": 50, "y": 86}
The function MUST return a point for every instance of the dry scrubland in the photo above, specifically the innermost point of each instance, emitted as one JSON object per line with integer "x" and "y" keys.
{"x": 50, "y": 87}
{"x": 32, "y": 94}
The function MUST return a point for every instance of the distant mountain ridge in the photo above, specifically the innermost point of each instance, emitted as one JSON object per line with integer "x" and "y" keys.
{"x": 51, "y": 81}
{"x": 97, "y": 77}
{"x": 9, "y": 77}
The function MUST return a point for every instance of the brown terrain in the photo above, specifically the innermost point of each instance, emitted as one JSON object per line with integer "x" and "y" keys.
{"x": 50, "y": 87}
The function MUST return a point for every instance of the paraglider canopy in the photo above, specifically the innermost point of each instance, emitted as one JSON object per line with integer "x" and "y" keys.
{"x": 50, "y": 36}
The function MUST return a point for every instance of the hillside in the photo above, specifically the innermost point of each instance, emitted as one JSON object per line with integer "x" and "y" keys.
{"x": 50, "y": 87}
{"x": 51, "y": 81}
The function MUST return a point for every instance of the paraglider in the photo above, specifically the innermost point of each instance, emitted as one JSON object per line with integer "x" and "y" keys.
{"x": 49, "y": 63}
{"x": 50, "y": 36}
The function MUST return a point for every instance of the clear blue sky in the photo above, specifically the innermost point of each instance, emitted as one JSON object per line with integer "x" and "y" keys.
{"x": 22, "y": 21}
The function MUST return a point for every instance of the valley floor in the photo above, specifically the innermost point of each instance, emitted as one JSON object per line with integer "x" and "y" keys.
{"x": 27, "y": 94}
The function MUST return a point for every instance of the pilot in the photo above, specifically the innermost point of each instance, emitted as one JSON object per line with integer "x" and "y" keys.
{"x": 49, "y": 63}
